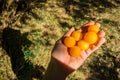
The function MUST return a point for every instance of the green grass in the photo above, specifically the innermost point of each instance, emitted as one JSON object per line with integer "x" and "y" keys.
{"x": 45, "y": 22}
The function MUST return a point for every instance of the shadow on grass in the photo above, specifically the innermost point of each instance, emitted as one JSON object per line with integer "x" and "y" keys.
{"x": 12, "y": 42}
{"x": 26, "y": 7}
{"x": 105, "y": 67}
{"x": 19, "y": 10}
{"x": 1, "y": 1}
{"x": 81, "y": 8}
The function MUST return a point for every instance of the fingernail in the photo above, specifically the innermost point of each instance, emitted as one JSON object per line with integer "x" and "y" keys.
{"x": 98, "y": 24}
{"x": 101, "y": 34}
{"x": 72, "y": 28}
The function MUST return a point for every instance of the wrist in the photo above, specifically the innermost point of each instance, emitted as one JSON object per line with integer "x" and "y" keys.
{"x": 57, "y": 70}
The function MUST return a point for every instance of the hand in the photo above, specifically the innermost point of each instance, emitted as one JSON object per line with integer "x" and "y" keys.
{"x": 60, "y": 52}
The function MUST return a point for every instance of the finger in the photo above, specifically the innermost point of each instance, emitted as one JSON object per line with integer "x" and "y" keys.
{"x": 100, "y": 42}
{"x": 98, "y": 24}
{"x": 101, "y": 34}
{"x": 95, "y": 47}
{"x": 83, "y": 55}
{"x": 80, "y": 30}
{"x": 90, "y": 23}
{"x": 88, "y": 51}
{"x": 59, "y": 41}
{"x": 85, "y": 27}
{"x": 69, "y": 32}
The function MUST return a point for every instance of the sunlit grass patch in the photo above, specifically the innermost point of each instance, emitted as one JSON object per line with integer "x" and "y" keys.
{"x": 43, "y": 34}
{"x": 43, "y": 26}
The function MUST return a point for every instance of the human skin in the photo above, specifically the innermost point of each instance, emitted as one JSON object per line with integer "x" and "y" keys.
{"x": 62, "y": 64}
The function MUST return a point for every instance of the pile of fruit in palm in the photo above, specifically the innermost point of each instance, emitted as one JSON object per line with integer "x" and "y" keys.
{"x": 79, "y": 41}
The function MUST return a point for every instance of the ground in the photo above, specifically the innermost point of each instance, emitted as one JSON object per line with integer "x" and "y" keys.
{"x": 30, "y": 28}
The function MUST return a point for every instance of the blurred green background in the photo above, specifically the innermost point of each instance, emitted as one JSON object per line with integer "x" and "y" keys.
{"x": 30, "y": 28}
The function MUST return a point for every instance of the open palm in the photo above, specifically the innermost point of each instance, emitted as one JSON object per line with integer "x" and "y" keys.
{"x": 60, "y": 51}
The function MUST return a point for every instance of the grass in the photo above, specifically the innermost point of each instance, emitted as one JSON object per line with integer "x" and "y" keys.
{"x": 37, "y": 25}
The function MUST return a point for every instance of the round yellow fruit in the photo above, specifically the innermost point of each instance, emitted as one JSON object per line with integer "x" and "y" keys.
{"x": 75, "y": 51}
{"x": 69, "y": 41}
{"x": 77, "y": 35}
{"x": 83, "y": 44}
{"x": 93, "y": 28}
{"x": 91, "y": 37}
